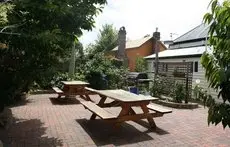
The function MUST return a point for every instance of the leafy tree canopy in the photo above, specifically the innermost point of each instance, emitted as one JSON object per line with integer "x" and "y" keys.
{"x": 106, "y": 40}
{"x": 37, "y": 35}
{"x": 217, "y": 63}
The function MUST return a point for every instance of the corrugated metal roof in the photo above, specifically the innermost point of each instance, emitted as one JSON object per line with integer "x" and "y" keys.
{"x": 198, "y": 32}
{"x": 188, "y": 44}
{"x": 180, "y": 52}
{"x": 134, "y": 43}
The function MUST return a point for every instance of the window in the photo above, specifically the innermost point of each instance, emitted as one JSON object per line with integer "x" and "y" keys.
{"x": 196, "y": 66}
{"x": 165, "y": 67}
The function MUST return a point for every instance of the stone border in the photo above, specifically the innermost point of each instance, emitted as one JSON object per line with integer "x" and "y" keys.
{"x": 177, "y": 105}
{"x": 50, "y": 91}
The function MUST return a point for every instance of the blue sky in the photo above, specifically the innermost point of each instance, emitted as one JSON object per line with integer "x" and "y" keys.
{"x": 141, "y": 17}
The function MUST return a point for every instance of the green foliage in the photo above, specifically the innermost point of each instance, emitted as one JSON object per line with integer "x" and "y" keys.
{"x": 155, "y": 90}
{"x": 103, "y": 73}
{"x": 179, "y": 93}
{"x": 201, "y": 95}
{"x": 106, "y": 41}
{"x": 162, "y": 86}
{"x": 168, "y": 87}
{"x": 60, "y": 76}
{"x": 37, "y": 36}
{"x": 197, "y": 92}
{"x": 216, "y": 64}
{"x": 4, "y": 7}
{"x": 141, "y": 64}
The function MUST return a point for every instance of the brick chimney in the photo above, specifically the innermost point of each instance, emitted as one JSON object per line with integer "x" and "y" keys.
{"x": 156, "y": 35}
{"x": 121, "y": 44}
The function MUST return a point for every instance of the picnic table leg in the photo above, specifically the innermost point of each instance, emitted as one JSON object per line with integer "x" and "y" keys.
{"x": 101, "y": 103}
{"x": 150, "y": 119}
{"x": 59, "y": 96}
{"x": 88, "y": 98}
{"x": 124, "y": 111}
{"x": 131, "y": 111}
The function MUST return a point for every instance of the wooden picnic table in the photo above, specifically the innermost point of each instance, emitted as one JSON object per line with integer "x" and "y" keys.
{"x": 72, "y": 89}
{"x": 127, "y": 101}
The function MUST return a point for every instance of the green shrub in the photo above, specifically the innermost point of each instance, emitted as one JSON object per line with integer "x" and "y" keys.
{"x": 201, "y": 95}
{"x": 56, "y": 80}
{"x": 141, "y": 64}
{"x": 104, "y": 73}
{"x": 162, "y": 86}
{"x": 179, "y": 93}
{"x": 156, "y": 88}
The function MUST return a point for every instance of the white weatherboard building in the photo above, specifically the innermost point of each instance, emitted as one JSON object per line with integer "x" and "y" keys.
{"x": 187, "y": 48}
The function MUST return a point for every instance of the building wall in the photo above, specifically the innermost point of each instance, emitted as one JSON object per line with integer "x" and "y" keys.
{"x": 144, "y": 50}
{"x": 196, "y": 75}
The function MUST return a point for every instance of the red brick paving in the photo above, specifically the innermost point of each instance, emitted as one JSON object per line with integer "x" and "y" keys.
{"x": 43, "y": 123}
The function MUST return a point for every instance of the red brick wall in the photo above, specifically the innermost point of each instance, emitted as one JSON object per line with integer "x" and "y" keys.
{"x": 144, "y": 50}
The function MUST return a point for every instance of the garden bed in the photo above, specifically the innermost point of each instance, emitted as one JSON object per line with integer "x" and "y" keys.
{"x": 41, "y": 91}
{"x": 177, "y": 105}
{"x": 168, "y": 101}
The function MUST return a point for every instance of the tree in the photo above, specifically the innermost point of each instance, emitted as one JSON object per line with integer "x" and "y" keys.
{"x": 217, "y": 63}
{"x": 37, "y": 36}
{"x": 100, "y": 71}
{"x": 106, "y": 40}
{"x": 141, "y": 64}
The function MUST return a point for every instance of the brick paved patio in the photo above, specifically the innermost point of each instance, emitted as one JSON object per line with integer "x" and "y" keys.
{"x": 44, "y": 122}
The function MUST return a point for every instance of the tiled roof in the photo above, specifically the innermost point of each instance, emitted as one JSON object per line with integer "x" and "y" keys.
{"x": 134, "y": 43}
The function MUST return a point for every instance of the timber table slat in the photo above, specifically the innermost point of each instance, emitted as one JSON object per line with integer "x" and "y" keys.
{"x": 124, "y": 96}
{"x": 74, "y": 83}
{"x": 57, "y": 90}
{"x": 126, "y": 101}
{"x": 98, "y": 110}
{"x": 158, "y": 108}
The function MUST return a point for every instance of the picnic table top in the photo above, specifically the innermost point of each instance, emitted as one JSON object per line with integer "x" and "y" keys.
{"x": 74, "y": 83}
{"x": 124, "y": 96}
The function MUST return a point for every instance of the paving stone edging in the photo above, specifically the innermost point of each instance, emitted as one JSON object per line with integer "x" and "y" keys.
{"x": 177, "y": 105}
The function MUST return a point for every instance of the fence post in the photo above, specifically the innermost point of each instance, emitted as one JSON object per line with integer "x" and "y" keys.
{"x": 186, "y": 87}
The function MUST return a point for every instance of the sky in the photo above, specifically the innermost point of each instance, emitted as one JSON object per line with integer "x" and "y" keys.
{"x": 141, "y": 17}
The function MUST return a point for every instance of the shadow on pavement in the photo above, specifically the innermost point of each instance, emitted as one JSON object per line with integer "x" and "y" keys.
{"x": 28, "y": 133}
{"x": 104, "y": 134}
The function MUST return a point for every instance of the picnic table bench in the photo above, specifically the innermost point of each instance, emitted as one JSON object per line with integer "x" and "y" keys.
{"x": 127, "y": 101}
{"x": 72, "y": 89}
{"x": 58, "y": 91}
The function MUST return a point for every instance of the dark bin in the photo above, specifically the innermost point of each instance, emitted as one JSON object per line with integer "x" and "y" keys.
{"x": 134, "y": 90}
